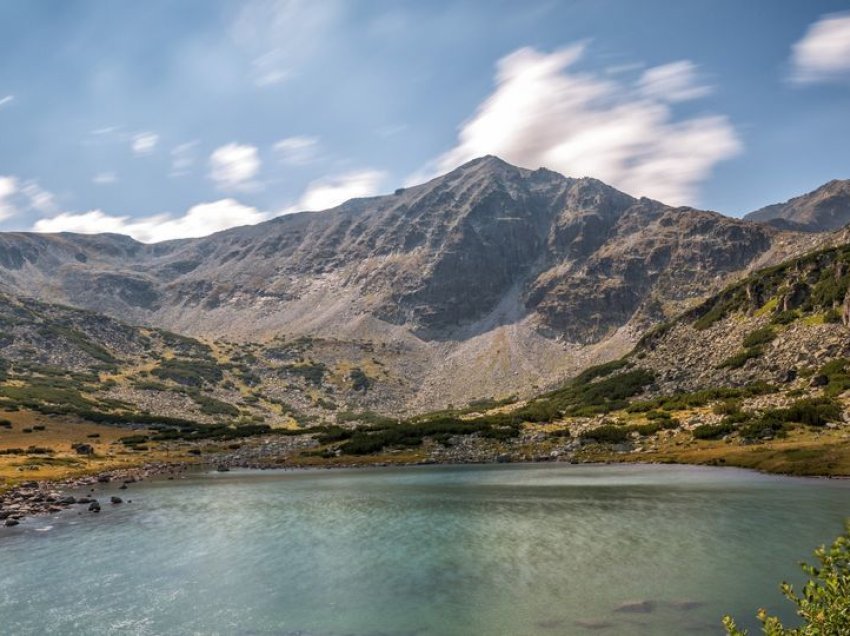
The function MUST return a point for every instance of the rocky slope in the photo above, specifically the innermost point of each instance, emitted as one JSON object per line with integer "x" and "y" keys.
{"x": 61, "y": 361}
{"x": 823, "y": 210}
{"x": 779, "y": 325}
{"x": 492, "y": 279}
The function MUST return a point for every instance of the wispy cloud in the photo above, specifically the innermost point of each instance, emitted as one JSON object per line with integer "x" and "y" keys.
{"x": 183, "y": 159}
{"x": 823, "y": 54}
{"x": 104, "y": 178}
{"x": 8, "y": 99}
{"x": 144, "y": 143}
{"x": 544, "y": 113}
{"x": 8, "y": 187}
{"x": 278, "y": 35}
{"x": 234, "y": 166}
{"x": 297, "y": 150}
{"x": 674, "y": 82}
{"x": 329, "y": 192}
{"x": 200, "y": 220}
{"x": 38, "y": 198}
{"x": 18, "y": 196}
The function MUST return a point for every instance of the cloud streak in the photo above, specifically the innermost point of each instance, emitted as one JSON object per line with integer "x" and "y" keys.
{"x": 234, "y": 166}
{"x": 544, "y": 113}
{"x": 8, "y": 187}
{"x": 330, "y": 192}
{"x": 200, "y": 220}
{"x": 297, "y": 151}
{"x": 279, "y": 35}
{"x": 823, "y": 54}
{"x": 144, "y": 143}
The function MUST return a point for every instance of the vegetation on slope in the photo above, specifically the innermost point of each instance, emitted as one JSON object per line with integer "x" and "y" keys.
{"x": 823, "y": 605}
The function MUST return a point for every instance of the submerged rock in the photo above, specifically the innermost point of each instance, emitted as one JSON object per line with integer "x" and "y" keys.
{"x": 636, "y": 607}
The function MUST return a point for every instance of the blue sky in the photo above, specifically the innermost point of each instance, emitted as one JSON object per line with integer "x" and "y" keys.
{"x": 168, "y": 119}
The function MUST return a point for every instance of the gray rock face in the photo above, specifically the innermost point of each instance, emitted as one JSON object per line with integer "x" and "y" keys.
{"x": 578, "y": 257}
{"x": 822, "y": 210}
{"x": 487, "y": 281}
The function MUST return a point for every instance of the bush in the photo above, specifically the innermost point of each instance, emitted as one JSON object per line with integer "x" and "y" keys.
{"x": 825, "y": 600}
{"x": 739, "y": 359}
{"x": 189, "y": 372}
{"x": 784, "y": 317}
{"x": 759, "y": 337}
{"x": 727, "y": 407}
{"x": 607, "y": 434}
{"x": 647, "y": 429}
{"x": 713, "y": 431}
{"x": 359, "y": 380}
{"x": 812, "y": 411}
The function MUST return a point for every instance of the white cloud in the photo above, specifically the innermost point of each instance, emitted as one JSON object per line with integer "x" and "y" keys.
{"x": 6, "y": 100}
{"x": 104, "y": 178}
{"x": 674, "y": 82}
{"x": 331, "y": 191}
{"x": 234, "y": 166}
{"x": 8, "y": 187}
{"x": 297, "y": 150}
{"x": 279, "y": 35}
{"x": 543, "y": 113}
{"x": 200, "y": 220}
{"x": 144, "y": 143}
{"x": 823, "y": 54}
{"x": 38, "y": 198}
{"x": 18, "y": 196}
{"x": 183, "y": 159}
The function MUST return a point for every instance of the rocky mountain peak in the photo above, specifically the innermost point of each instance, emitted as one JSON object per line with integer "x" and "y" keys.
{"x": 825, "y": 209}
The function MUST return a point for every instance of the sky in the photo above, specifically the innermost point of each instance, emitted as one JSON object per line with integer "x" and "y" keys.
{"x": 164, "y": 120}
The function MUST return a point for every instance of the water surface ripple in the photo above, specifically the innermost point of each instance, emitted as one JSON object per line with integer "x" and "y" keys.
{"x": 513, "y": 550}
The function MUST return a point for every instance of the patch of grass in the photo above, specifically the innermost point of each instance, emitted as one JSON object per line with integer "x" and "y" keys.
{"x": 759, "y": 337}
{"x": 189, "y": 372}
{"x": 738, "y": 360}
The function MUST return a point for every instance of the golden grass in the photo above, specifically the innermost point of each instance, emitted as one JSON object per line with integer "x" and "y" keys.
{"x": 803, "y": 453}
{"x": 59, "y": 435}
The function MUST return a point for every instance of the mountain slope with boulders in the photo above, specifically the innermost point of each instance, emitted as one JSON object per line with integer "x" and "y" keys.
{"x": 757, "y": 375}
{"x": 492, "y": 279}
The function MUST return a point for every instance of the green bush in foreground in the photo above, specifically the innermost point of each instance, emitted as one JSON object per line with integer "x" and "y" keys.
{"x": 824, "y": 604}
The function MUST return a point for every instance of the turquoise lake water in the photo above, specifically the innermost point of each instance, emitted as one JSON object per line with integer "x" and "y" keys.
{"x": 502, "y": 550}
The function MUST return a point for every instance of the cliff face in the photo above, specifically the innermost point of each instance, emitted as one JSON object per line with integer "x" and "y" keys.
{"x": 579, "y": 256}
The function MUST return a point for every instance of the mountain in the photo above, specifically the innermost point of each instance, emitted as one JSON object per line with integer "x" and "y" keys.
{"x": 486, "y": 281}
{"x": 822, "y": 210}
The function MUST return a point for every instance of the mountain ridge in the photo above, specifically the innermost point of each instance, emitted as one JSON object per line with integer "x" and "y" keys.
{"x": 824, "y": 209}
{"x": 500, "y": 278}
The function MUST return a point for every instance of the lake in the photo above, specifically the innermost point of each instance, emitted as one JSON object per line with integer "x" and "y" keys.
{"x": 432, "y": 550}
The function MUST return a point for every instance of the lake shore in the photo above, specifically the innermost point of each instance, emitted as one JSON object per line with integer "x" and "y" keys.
{"x": 800, "y": 456}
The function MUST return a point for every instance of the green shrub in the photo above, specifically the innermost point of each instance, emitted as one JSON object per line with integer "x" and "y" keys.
{"x": 784, "y": 317}
{"x": 727, "y": 407}
{"x": 812, "y": 411}
{"x": 647, "y": 429}
{"x": 739, "y": 359}
{"x": 607, "y": 434}
{"x": 312, "y": 372}
{"x": 359, "y": 380}
{"x": 189, "y": 372}
{"x": 713, "y": 431}
{"x": 759, "y": 337}
{"x": 823, "y": 606}
{"x": 600, "y": 371}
